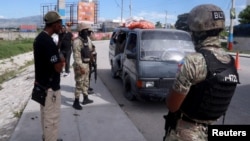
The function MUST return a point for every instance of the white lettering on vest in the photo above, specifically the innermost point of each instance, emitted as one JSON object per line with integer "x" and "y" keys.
{"x": 231, "y": 78}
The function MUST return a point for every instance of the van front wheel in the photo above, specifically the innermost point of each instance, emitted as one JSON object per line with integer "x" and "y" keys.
{"x": 113, "y": 73}
{"x": 127, "y": 89}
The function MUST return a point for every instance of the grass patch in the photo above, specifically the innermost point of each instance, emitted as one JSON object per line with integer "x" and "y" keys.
{"x": 13, "y": 48}
{"x": 18, "y": 114}
{"x": 11, "y": 74}
{"x": 7, "y": 75}
{"x": 224, "y": 44}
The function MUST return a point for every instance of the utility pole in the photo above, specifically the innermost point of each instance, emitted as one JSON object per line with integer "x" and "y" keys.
{"x": 166, "y": 20}
{"x": 230, "y": 35}
{"x": 121, "y": 11}
{"x": 130, "y": 9}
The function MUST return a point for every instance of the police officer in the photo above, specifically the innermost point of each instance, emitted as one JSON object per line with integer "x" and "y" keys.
{"x": 48, "y": 65}
{"x": 206, "y": 80}
{"x": 81, "y": 55}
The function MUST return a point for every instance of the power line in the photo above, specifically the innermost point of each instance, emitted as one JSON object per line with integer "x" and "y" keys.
{"x": 122, "y": 11}
{"x": 117, "y": 4}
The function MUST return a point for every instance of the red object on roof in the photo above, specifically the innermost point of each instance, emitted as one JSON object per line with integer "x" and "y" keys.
{"x": 141, "y": 24}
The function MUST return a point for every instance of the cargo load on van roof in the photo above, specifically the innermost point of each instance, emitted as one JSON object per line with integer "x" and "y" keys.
{"x": 139, "y": 23}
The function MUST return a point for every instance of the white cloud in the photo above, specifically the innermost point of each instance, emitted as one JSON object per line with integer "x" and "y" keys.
{"x": 1, "y": 17}
{"x": 241, "y": 7}
{"x": 150, "y": 16}
{"x": 158, "y": 16}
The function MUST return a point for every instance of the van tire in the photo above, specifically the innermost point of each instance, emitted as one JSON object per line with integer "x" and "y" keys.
{"x": 127, "y": 89}
{"x": 113, "y": 73}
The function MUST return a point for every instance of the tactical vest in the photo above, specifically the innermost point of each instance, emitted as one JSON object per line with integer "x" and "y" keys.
{"x": 209, "y": 99}
{"x": 85, "y": 52}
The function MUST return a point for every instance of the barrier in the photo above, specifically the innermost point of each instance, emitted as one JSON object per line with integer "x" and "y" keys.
{"x": 237, "y": 61}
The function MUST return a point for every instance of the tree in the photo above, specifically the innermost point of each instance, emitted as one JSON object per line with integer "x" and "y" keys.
{"x": 158, "y": 24}
{"x": 244, "y": 16}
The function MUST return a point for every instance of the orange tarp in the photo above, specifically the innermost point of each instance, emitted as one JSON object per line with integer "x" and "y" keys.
{"x": 141, "y": 24}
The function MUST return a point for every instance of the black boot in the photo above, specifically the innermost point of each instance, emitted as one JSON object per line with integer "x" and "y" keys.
{"x": 90, "y": 92}
{"x": 87, "y": 100}
{"x": 77, "y": 105}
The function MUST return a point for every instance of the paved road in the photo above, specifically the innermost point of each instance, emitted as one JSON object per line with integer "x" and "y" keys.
{"x": 16, "y": 93}
{"x": 148, "y": 116}
{"x": 102, "y": 120}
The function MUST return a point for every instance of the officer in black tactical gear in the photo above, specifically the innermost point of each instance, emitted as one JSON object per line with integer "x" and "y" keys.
{"x": 205, "y": 82}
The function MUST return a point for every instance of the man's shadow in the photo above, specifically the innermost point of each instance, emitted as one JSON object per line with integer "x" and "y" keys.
{"x": 67, "y": 95}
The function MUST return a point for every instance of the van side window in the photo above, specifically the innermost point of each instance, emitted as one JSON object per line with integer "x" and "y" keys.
{"x": 121, "y": 40}
{"x": 132, "y": 43}
{"x": 113, "y": 37}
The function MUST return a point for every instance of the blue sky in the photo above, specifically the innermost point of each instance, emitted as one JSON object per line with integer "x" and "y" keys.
{"x": 152, "y": 10}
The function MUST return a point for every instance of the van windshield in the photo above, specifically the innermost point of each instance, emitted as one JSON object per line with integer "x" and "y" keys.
{"x": 165, "y": 46}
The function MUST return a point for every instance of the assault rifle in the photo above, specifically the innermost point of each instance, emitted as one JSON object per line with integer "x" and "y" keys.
{"x": 170, "y": 122}
{"x": 93, "y": 66}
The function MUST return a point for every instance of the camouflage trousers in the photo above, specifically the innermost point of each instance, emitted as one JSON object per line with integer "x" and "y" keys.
{"x": 186, "y": 131}
{"x": 81, "y": 82}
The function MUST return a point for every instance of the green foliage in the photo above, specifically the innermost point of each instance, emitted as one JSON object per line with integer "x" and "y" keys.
{"x": 12, "y": 48}
{"x": 158, "y": 24}
{"x": 224, "y": 45}
{"x": 18, "y": 114}
{"x": 224, "y": 33}
{"x": 6, "y": 76}
{"x": 244, "y": 16}
{"x": 11, "y": 74}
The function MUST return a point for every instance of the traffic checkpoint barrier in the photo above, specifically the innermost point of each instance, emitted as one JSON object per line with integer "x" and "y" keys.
{"x": 237, "y": 61}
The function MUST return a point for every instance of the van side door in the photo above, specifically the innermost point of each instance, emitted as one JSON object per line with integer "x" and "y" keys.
{"x": 130, "y": 58}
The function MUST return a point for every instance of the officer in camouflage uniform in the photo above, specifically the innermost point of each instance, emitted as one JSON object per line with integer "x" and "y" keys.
{"x": 81, "y": 55}
{"x": 203, "y": 77}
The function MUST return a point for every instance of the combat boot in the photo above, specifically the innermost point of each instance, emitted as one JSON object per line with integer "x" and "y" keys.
{"x": 87, "y": 100}
{"x": 90, "y": 90}
{"x": 77, "y": 105}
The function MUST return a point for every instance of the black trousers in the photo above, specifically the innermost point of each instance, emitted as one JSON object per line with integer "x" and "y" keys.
{"x": 67, "y": 55}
